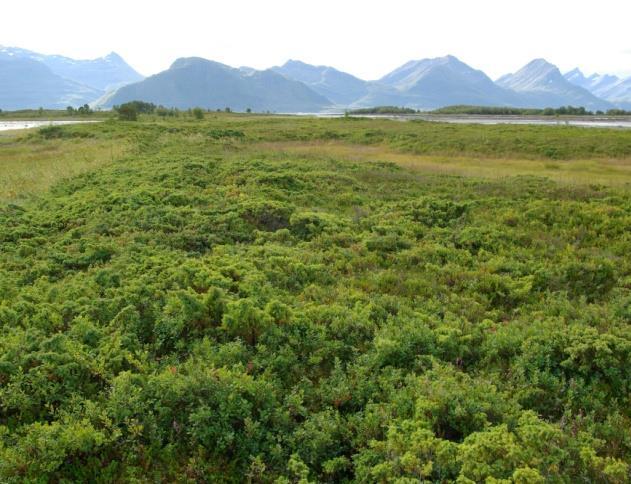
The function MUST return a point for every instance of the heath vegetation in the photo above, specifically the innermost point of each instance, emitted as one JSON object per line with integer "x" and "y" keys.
{"x": 230, "y": 298}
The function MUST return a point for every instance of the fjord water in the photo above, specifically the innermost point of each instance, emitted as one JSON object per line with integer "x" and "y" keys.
{"x": 597, "y": 122}
{"x": 25, "y": 124}
{"x": 587, "y": 123}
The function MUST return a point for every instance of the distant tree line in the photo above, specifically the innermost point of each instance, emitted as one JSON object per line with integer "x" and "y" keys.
{"x": 618, "y": 112}
{"x": 129, "y": 111}
{"x": 81, "y": 110}
{"x": 508, "y": 111}
{"x": 384, "y": 110}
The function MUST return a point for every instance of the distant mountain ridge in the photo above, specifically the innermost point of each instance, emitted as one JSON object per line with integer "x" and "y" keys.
{"x": 610, "y": 88}
{"x": 442, "y": 81}
{"x": 446, "y": 80}
{"x": 104, "y": 73}
{"x": 596, "y": 84}
{"x": 26, "y": 83}
{"x": 341, "y": 88}
{"x": 541, "y": 84}
{"x": 619, "y": 93}
{"x": 194, "y": 81}
{"x": 31, "y": 80}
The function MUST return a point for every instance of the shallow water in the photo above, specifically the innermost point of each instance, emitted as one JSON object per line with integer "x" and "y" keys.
{"x": 587, "y": 123}
{"x": 591, "y": 122}
{"x": 26, "y": 124}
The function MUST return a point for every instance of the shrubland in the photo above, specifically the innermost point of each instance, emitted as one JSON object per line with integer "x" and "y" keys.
{"x": 209, "y": 306}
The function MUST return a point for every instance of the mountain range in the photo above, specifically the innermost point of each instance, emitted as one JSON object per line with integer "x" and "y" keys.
{"x": 541, "y": 84}
{"x": 421, "y": 84}
{"x": 191, "y": 82}
{"x": 32, "y": 80}
{"x": 610, "y": 88}
{"x": 337, "y": 86}
{"x": 29, "y": 79}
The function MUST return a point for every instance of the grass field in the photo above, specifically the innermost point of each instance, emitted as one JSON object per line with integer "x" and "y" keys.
{"x": 31, "y": 163}
{"x": 45, "y": 114}
{"x": 611, "y": 172}
{"x": 296, "y": 300}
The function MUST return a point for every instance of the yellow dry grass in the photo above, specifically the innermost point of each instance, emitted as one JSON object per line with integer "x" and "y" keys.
{"x": 614, "y": 172}
{"x": 29, "y": 167}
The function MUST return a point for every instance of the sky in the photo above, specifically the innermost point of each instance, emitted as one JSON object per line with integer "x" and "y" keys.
{"x": 366, "y": 38}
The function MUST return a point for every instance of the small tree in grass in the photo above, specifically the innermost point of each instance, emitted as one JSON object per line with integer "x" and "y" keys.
{"x": 198, "y": 113}
{"x": 127, "y": 112}
{"x": 85, "y": 109}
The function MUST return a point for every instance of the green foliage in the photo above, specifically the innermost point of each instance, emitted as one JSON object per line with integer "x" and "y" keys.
{"x": 130, "y": 111}
{"x": 127, "y": 112}
{"x": 61, "y": 132}
{"x": 618, "y": 112}
{"x": 140, "y": 107}
{"x": 211, "y": 308}
{"x": 487, "y": 110}
{"x": 244, "y": 320}
{"x": 166, "y": 112}
{"x": 504, "y": 110}
{"x": 198, "y": 113}
{"x": 383, "y": 110}
{"x": 81, "y": 110}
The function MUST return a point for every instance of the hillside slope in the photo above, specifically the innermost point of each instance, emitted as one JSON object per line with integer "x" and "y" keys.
{"x": 341, "y": 88}
{"x": 28, "y": 84}
{"x": 104, "y": 73}
{"x": 192, "y": 82}
{"x": 541, "y": 84}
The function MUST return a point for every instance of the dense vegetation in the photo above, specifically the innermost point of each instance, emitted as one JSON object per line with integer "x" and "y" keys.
{"x": 488, "y": 110}
{"x": 34, "y": 162}
{"x": 130, "y": 111}
{"x": 84, "y": 110}
{"x": 209, "y": 307}
{"x": 493, "y": 111}
{"x": 384, "y": 110}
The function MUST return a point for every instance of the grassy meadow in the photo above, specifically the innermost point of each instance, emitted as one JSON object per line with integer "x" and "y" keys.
{"x": 251, "y": 298}
{"x": 31, "y": 164}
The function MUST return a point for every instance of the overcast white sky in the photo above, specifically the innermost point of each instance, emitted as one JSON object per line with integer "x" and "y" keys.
{"x": 366, "y": 38}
